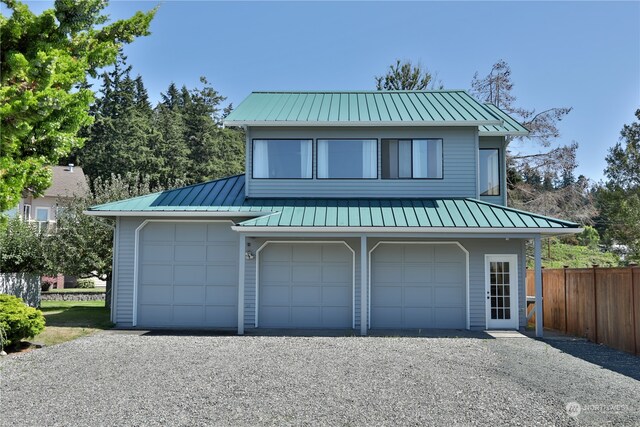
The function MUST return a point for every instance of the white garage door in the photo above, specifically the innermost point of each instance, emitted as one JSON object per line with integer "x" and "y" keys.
{"x": 188, "y": 275}
{"x": 418, "y": 286}
{"x": 305, "y": 285}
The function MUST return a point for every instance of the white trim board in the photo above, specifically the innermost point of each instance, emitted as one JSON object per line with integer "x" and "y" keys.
{"x": 321, "y": 242}
{"x": 466, "y": 252}
{"x": 136, "y": 258}
{"x": 414, "y": 123}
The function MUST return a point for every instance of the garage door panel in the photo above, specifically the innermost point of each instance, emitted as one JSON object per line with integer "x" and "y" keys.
{"x": 386, "y": 253}
{"x": 189, "y": 274}
{"x": 447, "y": 253}
{"x": 418, "y": 253}
{"x": 157, "y": 294}
{"x": 158, "y": 232}
{"x": 223, "y": 253}
{"x": 452, "y": 318}
{"x": 418, "y": 317}
{"x": 190, "y": 253}
{"x": 336, "y": 253}
{"x": 221, "y": 316}
{"x": 274, "y": 316}
{"x": 185, "y": 281}
{"x": 300, "y": 288}
{"x": 306, "y": 317}
{"x": 447, "y": 296}
{"x": 274, "y": 272}
{"x": 337, "y": 273}
{"x": 386, "y": 296}
{"x": 450, "y": 273}
{"x": 336, "y": 317}
{"x": 157, "y": 315}
{"x": 153, "y": 274}
{"x": 275, "y": 295}
{"x": 222, "y": 275}
{"x": 306, "y": 295}
{"x": 157, "y": 253}
{"x": 188, "y": 294}
{"x": 306, "y": 273}
{"x": 307, "y": 253}
{"x": 387, "y": 317}
{"x": 186, "y": 232}
{"x": 418, "y": 273}
{"x": 188, "y": 315}
{"x": 390, "y": 274}
{"x": 418, "y": 286}
{"x": 418, "y": 296}
{"x": 221, "y": 295}
{"x": 276, "y": 253}
{"x": 336, "y": 296}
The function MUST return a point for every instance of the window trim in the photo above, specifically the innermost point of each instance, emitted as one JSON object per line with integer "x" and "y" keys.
{"x": 253, "y": 140}
{"x": 499, "y": 173}
{"x": 412, "y": 178}
{"x": 24, "y": 211}
{"x": 377, "y": 177}
{"x": 44, "y": 208}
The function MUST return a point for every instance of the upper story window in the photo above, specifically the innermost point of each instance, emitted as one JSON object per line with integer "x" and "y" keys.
{"x": 411, "y": 158}
{"x": 282, "y": 158}
{"x": 348, "y": 158}
{"x": 489, "y": 172}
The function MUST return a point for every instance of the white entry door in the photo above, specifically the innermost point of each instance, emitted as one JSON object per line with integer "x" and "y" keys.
{"x": 501, "y": 278}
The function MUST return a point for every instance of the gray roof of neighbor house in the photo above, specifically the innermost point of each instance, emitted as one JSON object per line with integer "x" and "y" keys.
{"x": 363, "y": 108}
{"x": 67, "y": 181}
{"x": 227, "y": 195}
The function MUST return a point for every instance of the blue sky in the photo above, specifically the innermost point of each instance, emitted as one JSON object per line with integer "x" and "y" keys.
{"x": 580, "y": 54}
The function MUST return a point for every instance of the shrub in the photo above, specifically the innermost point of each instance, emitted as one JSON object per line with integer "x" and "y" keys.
{"x": 85, "y": 283}
{"x": 18, "y": 320}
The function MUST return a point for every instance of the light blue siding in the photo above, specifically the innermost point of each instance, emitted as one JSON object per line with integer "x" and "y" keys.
{"x": 459, "y": 166}
{"x": 123, "y": 280}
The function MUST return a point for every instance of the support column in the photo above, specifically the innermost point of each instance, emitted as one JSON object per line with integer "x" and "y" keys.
{"x": 364, "y": 282}
{"x": 537, "y": 249}
{"x": 241, "y": 264}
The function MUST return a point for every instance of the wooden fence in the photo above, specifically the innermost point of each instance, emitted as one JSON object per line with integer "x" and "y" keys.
{"x": 600, "y": 304}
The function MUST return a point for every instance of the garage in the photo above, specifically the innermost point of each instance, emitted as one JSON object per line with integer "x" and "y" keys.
{"x": 305, "y": 285}
{"x": 418, "y": 285}
{"x": 187, "y": 275}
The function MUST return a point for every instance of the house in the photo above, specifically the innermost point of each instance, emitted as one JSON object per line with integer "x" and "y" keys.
{"x": 66, "y": 181}
{"x": 358, "y": 210}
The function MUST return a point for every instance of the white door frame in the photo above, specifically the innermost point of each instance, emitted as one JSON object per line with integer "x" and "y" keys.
{"x": 321, "y": 242}
{"x": 458, "y": 244}
{"x": 514, "y": 279}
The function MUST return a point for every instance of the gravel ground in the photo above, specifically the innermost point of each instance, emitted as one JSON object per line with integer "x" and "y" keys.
{"x": 125, "y": 378}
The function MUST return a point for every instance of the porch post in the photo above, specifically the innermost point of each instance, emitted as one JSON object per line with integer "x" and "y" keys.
{"x": 364, "y": 273}
{"x": 241, "y": 263}
{"x": 537, "y": 249}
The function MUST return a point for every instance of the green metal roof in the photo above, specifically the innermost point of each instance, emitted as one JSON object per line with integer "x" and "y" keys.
{"x": 227, "y": 195}
{"x": 509, "y": 125}
{"x": 362, "y": 108}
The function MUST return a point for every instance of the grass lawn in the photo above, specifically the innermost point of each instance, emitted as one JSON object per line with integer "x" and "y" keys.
{"x": 68, "y": 320}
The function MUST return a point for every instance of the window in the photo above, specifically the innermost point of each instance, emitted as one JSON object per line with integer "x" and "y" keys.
{"x": 282, "y": 158}
{"x": 411, "y": 158}
{"x": 26, "y": 212}
{"x": 348, "y": 158}
{"x": 489, "y": 172}
{"x": 42, "y": 217}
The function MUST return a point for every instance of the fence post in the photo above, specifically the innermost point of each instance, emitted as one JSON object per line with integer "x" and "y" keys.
{"x": 633, "y": 308}
{"x": 595, "y": 303}
{"x": 566, "y": 317}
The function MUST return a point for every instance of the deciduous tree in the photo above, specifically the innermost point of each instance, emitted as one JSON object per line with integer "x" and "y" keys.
{"x": 44, "y": 97}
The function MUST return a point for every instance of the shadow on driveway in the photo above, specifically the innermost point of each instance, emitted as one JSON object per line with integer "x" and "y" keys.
{"x": 601, "y": 355}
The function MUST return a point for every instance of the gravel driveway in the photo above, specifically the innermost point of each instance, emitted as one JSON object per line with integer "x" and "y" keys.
{"x": 126, "y": 378}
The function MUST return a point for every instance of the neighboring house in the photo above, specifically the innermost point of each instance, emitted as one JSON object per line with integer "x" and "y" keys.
{"x": 43, "y": 211}
{"x": 358, "y": 210}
